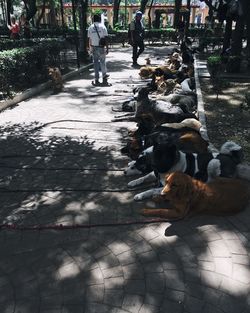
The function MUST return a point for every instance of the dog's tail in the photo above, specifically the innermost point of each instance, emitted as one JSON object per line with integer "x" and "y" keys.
{"x": 234, "y": 150}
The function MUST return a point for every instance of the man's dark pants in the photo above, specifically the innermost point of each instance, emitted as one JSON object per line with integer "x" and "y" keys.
{"x": 136, "y": 52}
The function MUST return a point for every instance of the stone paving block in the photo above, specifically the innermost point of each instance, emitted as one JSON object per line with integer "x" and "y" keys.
{"x": 113, "y": 297}
{"x": 154, "y": 267}
{"x": 147, "y": 308}
{"x": 127, "y": 258}
{"x": 212, "y": 295}
{"x": 241, "y": 273}
{"x": 108, "y": 261}
{"x": 73, "y": 309}
{"x": 160, "y": 245}
{"x": 118, "y": 247}
{"x": 154, "y": 299}
{"x": 209, "y": 308}
{"x": 99, "y": 307}
{"x": 94, "y": 293}
{"x": 231, "y": 304}
{"x": 114, "y": 283}
{"x": 223, "y": 266}
{"x": 195, "y": 290}
{"x": 233, "y": 287}
{"x": 208, "y": 266}
{"x": 135, "y": 286}
{"x": 174, "y": 295}
{"x": 142, "y": 247}
{"x": 95, "y": 277}
{"x": 113, "y": 272}
{"x": 219, "y": 249}
{"x": 169, "y": 260}
{"x": 147, "y": 257}
{"x": 192, "y": 304}
{"x": 132, "y": 303}
{"x": 241, "y": 259}
{"x": 211, "y": 279}
{"x": 171, "y": 307}
{"x": 235, "y": 246}
{"x": 133, "y": 271}
{"x": 192, "y": 275}
{"x": 148, "y": 234}
{"x": 174, "y": 280}
{"x": 155, "y": 282}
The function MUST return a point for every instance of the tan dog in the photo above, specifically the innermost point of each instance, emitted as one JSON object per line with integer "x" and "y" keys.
{"x": 149, "y": 71}
{"x": 165, "y": 86}
{"x": 56, "y": 78}
{"x": 186, "y": 195}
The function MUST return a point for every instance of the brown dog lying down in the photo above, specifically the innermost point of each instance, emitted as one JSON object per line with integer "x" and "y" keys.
{"x": 188, "y": 196}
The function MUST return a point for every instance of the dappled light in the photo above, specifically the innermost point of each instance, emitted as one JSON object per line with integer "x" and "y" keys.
{"x": 76, "y": 241}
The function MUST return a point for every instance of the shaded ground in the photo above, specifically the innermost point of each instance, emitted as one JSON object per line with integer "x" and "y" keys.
{"x": 60, "y": 163}
{"x": 226, "y": 120}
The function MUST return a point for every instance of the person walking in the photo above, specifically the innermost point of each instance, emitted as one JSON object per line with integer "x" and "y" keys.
{"x": 98, "y": 47}
{"x": 14, "y": 28}
{"x": 136, "y": 31}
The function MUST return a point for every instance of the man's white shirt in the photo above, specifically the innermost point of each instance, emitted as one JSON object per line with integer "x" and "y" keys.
{"x": 92, "y": 34}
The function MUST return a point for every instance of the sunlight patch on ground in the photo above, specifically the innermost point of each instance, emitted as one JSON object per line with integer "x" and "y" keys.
{"x": 68, "y": 270}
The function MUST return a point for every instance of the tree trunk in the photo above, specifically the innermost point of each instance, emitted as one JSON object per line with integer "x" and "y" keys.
{"x": 9, "y": 9}
{"x": 149, "y": 15}
{"x": 116, "y": 7}
{"x": 178, "y": 4}
{"x": 237, "y": 37}
{"x": 143, "y": 5}
{"x": 41, "y": 14}
{"x": 188, "y": 14}
{"x": 31, "y": 8}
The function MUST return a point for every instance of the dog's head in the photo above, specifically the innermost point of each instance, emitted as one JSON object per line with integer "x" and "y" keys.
{"x": 141, "y": 94}
{"x": 165, "y": 153}
{"x": 177, "y": 186}
{"x": 133, "y": 148}
{"x": 145, "y": 123}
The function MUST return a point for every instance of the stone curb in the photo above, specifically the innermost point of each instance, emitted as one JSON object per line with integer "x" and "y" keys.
{"x": 37, "y": 89}
{"x": 243, "y": 170}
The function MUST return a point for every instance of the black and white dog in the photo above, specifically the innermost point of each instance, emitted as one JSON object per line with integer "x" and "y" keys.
{"x": 204, "y": 166}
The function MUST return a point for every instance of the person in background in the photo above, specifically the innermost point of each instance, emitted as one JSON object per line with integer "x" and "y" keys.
{"x": 14, "y": 28}
{"x": 136, "y": 30}
{"x": 95, "y": 32}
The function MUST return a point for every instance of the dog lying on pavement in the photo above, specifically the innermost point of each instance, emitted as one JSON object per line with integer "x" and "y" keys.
{"x": 205, "y": 166}
{"x": 187, "y": 140}
{"x": 189, "y": 196}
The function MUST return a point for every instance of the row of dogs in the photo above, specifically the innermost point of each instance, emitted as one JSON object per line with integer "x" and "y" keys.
{"x": 167, "y": 148}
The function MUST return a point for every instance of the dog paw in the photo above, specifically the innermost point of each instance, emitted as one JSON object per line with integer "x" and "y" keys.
{"x": 138, "y": 197}
{"x": 132, "y": 184}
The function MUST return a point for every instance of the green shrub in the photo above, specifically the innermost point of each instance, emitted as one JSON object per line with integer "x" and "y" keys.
{"x": 214, "y": 61}
{"x": 23, "y": 67}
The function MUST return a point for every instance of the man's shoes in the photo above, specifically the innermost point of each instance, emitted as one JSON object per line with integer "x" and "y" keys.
{"x": 96, "y": 83}
{"x": 135, "y": 65}
{"x": 106, "y": 76}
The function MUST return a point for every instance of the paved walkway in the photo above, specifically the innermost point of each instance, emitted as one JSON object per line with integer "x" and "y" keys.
{"x": 61, "y": 164}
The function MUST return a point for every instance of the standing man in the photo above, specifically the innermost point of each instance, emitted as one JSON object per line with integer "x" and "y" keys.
{"x": 136, "y": 31}
{"x": 98, "y": 46}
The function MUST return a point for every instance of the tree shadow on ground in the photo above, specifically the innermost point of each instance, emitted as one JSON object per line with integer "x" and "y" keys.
{"x": 199, "y": 264}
